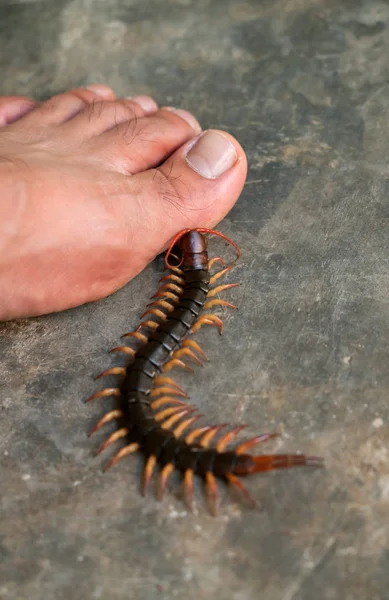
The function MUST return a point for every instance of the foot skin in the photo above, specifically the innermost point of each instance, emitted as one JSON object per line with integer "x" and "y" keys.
{"x": 93, "y": 188}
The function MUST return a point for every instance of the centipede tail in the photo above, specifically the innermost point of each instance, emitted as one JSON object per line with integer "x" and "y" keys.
{"x": 153, "y": 416}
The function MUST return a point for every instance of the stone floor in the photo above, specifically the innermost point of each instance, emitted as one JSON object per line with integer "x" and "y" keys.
{"x": 303, "y": 84}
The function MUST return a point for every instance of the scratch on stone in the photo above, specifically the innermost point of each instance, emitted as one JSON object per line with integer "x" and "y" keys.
{"x": 294, "y": 589}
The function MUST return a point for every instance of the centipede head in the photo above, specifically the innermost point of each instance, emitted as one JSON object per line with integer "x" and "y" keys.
{"x": 193, "y": 243}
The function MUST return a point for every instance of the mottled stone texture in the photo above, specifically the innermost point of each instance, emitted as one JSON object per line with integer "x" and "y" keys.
{"x": 303, "y": 84}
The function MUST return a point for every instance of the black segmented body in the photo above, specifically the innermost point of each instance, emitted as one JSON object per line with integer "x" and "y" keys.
{"x": 148, "y": 363}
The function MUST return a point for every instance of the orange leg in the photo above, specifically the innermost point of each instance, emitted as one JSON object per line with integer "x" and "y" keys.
{"x": 218, "y": 302}
{"x": 162, "y": 380}
{"x": 219, "y": 274}
{"x": 121, "y": 454}
{"x": 116, "y": 435}
{"x": 125, "y": 349}
{"x": 173, "y": 297}
{"x": 168, "y": 286}
{"x": 221, "y": 288}
{"x": 175, "y": 270}
{"x": 150, "y": 324}
{"x": 154, "y": 311}
{"x": 166, "y": 412}
{"x": 193, "y": 435}
{"x": 113, "y": 414}
{"x": 164, "y": 476}
{"x": 148, "y": 471}
{"x": 172, "y": 277}
{"x": 258, "y": 439}
{"x": 227, "y": 437}
{"x": 187, "y": 352}
{"x": 208, "y": 320}
{"x": 212, "y": 493}
{"x": 195, "y": 346}
{"x": 114, "y": 371}
{"x": 213, "y": 261}
{"x": 166, "y": 400}
{"x": 164, "y": 303}
{"x": 136, "y": 334}
{"x": 188, "y": 486}
{"x": 174, "y": 418}
{"x": 176, "y": 362}
{"x": 103, "y": 393}
{"x": 210, "y": 434}
{"x": 235, "y": 481}
{"x": 167, "y": 389}
{"x": 178, "y": 431}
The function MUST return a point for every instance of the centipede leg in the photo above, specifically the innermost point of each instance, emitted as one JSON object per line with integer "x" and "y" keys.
{"x": 178, "y": 431}
{"x": 172, "y": 277}
{"x": 167, "y": 389}
{"x": 121, "y": 454}
{"x": 195, "y": 346}
{"x": 150, "y": 324}
{"x": 212, "y": 492}
{"x": 214, "y": 260}
{"x": 113, "y": 371}
{"x": 113, "y": 438}
{"x": 148, "y": 471}
{"x": 166, "y": 400}
{"x": 113, "y": 414}
{"x": 185, "y": 351}
{"x": 217, "y": 302}
{"x": 174, "y": 418}
{"x": 164, "y": 476}
{"x": 162, "y": 380}
{"x": 137, "y": 335}
{"x": 210, "y": 434}
{"x": 208, "y": 320}
{"x": 125, "y": 349}
{"x": 176, "y": 362}
{"x": 103, "y": 393}
{"x": 188, "y": 487}
{"x": 221, "y": 288}
{"x": 235, "y": 481}
{"x": 258, "y": 439}
{"x": 227, "y": 437}
{"x": 219, "y": 274}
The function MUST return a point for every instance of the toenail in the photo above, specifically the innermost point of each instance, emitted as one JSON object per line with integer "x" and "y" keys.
{"x": 187, "y": 116}
{"x": 100, "y": 90}
{"x": 145, "y": 102}
{"x": 212, "y": 155}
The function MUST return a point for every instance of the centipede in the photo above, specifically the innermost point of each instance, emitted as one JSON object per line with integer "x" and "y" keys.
{"x": 152, "y": 412}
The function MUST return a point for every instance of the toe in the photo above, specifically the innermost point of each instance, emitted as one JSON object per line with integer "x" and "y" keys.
{"x": 148, "y": 104}
{"x": 14, "y": 107}
{"x": 143, "y": 143}
{"x": 63, "y": 107}
{"x": 195, "y": 187}
{"x": 98, "y": 118}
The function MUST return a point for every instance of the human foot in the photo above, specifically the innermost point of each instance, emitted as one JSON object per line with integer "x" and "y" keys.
{"x": 94, "y": 188}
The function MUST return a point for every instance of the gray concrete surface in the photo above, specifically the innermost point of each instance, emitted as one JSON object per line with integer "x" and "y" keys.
{"x": 303, "y": 84}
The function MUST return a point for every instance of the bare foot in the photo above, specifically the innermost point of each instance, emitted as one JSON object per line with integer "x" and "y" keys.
{"x": 93, "y": 188}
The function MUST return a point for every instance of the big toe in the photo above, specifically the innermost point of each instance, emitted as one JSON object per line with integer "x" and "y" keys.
{"x": 195, "y": 187}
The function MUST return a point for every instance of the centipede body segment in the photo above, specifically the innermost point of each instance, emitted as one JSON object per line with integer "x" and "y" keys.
{"x": 154, "y": 416}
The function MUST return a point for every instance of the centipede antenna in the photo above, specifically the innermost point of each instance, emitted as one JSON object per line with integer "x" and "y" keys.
{"x": 224, "y": 237}
{"x": 172, "y": 244}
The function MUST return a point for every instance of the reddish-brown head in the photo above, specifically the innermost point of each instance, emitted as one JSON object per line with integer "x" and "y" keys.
{"x": 193, "y": 242}
{"x": 193, "y": 246}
